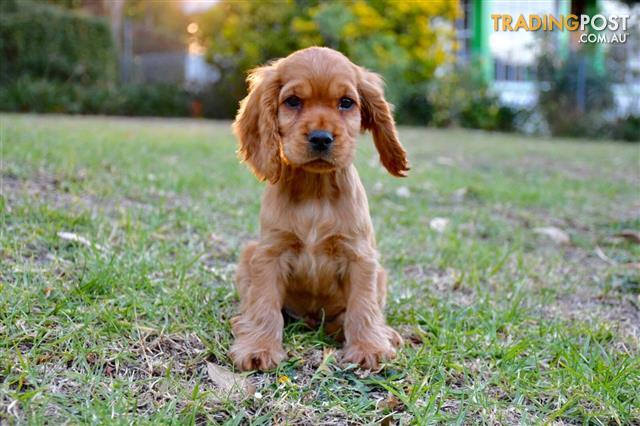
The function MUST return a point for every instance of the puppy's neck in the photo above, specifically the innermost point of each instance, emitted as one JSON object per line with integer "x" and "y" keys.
{"x": 300, "y": 185}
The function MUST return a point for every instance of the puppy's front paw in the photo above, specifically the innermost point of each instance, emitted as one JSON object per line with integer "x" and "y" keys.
{"x": 394, "y": 337}
{"x": 256, "y": 356}
{"x": 368, "y": 355}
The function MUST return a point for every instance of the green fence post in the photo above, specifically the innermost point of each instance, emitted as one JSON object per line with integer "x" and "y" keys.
{"x": 593, "y": 8}
{"x": 482, "y": 25}
{"x": 563, "y": 9}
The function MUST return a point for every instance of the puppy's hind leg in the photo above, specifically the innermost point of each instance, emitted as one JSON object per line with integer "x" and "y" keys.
{"x": 381, "y": 279}
{"x": 243, "y": 273}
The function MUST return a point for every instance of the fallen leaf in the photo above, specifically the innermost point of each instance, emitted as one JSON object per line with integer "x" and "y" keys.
{"x": 327, "y": 358}
{"x": 217, "y": 239}
{"x": 14, "y": 408}
{"x": 363, "y": 373}
{"x": 458, "y": 282}
{"x": 284, "y": 380}
{"x": 467, "y": 228}
{"x": 391, "y": 403}
{"x": 415, "y": 340}
{"x": 108, "y": 371}
{"x": 460, "y": 194}
{"x": 439, "y": 224}
{"x": 41, "y": 359}
{"x": 556, "y": 234}
{"x": 394, "y": 206}
{"x": 70, "y": 236}
{"x": 92, "y": 357}
{"x": 631, "y": 236}
{"x": 229, "y": 382}
{"x": 445, "y": 161}
{"x": 603, "y": 256}
{"x": 403, "y": 192}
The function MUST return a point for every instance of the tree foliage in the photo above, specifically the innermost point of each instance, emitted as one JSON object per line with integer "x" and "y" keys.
{"x": 404, "y": 41}
{"x": 166, "y": 17}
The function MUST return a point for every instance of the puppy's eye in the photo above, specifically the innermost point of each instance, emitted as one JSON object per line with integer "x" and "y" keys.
{"x": 293, "y": 102}
{"x": 346, "y": 103}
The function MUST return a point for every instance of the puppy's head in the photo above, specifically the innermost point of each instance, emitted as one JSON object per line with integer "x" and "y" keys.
{"x": 306, "y": 111}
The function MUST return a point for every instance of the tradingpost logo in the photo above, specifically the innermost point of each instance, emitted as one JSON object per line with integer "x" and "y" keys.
{"x": 606, "y": 29}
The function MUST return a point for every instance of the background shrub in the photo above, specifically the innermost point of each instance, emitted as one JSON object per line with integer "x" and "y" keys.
{"x": 463, "y": 98}
{"x": 57, "y": 60}
{"x": 574, "y": 96}
{"x": 47, "y": 96}
{"x": 626, "y": 128}
{"x": 41, "y": 41}
{"x": 162, "y": 100}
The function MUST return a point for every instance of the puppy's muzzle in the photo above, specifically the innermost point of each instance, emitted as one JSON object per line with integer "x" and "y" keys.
{"x": 320, "y": 140}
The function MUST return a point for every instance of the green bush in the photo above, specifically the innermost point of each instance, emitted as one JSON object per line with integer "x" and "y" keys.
{"x": 414, "y": 107}
{"x": 573, "y": 95}
{"x": 41, "y": 41}
{"x": 46, "y": 96}
{"x": 576, "y": 99}
{"x": 463, "y": 98}
{"x": 162, "y": 100}
{"x": 626, "y": 128}
{"x": 61, "y": 61}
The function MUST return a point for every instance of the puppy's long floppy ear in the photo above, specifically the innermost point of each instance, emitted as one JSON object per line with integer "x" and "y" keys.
{"x": 256, "y": 125}
{"x": 377, "y": 117}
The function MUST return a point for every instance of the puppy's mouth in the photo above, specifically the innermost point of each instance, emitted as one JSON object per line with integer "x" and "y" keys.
{"x": 319, "y": 165}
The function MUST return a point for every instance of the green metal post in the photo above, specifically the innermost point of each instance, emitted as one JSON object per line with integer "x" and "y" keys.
{"x": 482, "y": 25}
{"x": 563, "y": 9}
{"x": 593, "y": 8}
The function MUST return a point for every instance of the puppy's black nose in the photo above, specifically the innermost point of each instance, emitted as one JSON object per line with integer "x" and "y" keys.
{"x": 320, "y": 140}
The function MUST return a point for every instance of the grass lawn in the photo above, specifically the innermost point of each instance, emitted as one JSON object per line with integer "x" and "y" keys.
{"x": 118, "y": 244}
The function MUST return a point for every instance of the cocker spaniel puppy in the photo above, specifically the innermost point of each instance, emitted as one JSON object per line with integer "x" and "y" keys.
{"x": 316, "y": 258}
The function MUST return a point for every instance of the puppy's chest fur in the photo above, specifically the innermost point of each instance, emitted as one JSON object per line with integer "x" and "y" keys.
{"x": 321, "y": 254}
{"x": 317, "y": 260}
{"x": 319, "y": 238}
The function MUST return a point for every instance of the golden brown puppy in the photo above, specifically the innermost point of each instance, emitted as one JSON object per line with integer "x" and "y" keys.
{"x": 316, "y": 257}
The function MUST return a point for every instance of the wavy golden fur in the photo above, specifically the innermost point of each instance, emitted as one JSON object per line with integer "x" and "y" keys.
{"x": 316, "y": 258}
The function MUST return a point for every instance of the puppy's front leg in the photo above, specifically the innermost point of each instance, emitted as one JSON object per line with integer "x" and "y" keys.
{"x": 258, "y": 328}
{"x": 368, "y": 339}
